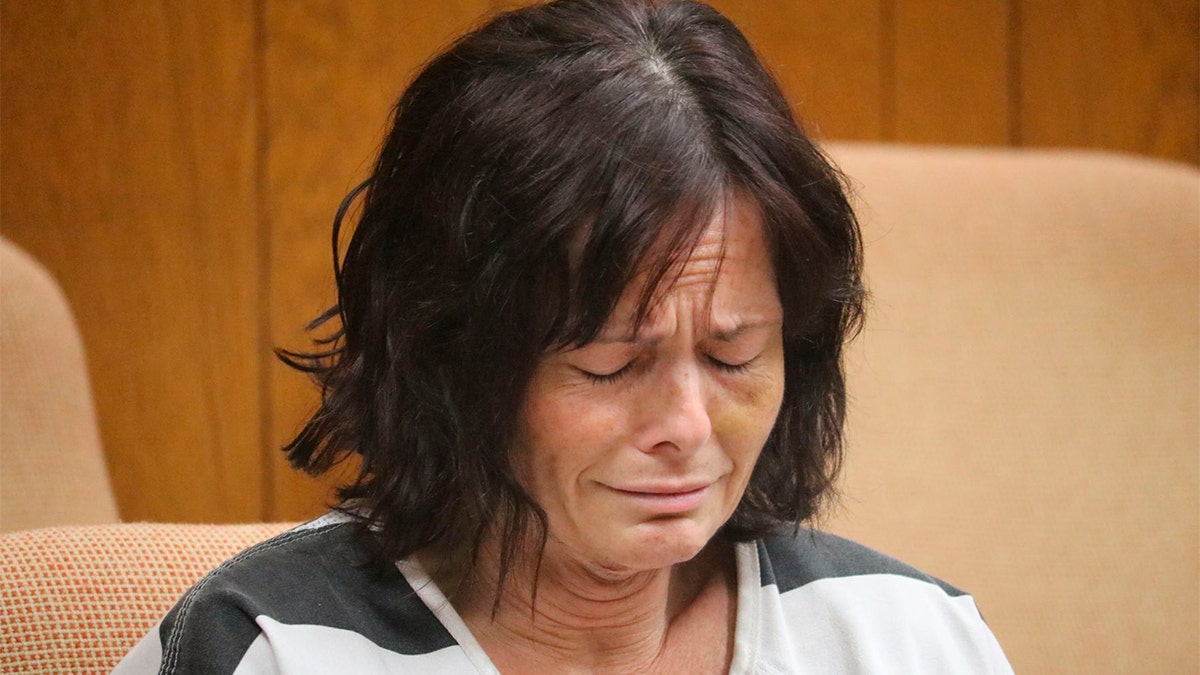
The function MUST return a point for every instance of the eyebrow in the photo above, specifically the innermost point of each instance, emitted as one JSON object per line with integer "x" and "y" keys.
{"x": 733, "y": 333}
{"x": 726, "y": 335}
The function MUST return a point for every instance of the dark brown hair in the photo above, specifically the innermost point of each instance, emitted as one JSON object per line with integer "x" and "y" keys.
{"x": 530, "y": 172}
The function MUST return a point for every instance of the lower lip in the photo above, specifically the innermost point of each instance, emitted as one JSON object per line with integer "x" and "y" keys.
{"x": 671, "y": 502}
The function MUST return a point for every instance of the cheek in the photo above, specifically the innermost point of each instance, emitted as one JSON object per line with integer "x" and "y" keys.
{"x": 746, "y": 420}
{"x": 559, "y": 435}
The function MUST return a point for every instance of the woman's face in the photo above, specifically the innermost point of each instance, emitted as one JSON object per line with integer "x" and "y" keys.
{"x": 640, "y": 449}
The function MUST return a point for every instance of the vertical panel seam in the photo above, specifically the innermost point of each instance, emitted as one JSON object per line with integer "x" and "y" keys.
{"x": 887, "y": 51}
{"x": 262, "y": 207}
{"x": 1013, "y": 38}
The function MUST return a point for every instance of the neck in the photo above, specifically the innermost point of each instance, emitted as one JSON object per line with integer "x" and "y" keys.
{"x": 592, "y": 618}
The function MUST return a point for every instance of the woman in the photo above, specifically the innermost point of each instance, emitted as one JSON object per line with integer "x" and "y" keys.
{"x": 589, "y": 356}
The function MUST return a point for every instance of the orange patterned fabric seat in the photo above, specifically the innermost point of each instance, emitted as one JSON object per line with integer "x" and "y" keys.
{"x": 76, "y": 599}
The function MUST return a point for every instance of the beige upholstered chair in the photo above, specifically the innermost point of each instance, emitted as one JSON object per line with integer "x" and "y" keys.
{"x": 76, "y": 599}
{"x": 52, "y": 468}
{"x": 1024, "y": 415}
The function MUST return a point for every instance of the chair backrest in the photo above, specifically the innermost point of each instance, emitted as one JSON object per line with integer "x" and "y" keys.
{"x": 1025, "y": 420}
{"x": 52, "y": 468}
{"x": 76, "y": 599}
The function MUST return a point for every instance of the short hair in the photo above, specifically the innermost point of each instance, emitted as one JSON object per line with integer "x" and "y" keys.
{"x": 531, "y": 171}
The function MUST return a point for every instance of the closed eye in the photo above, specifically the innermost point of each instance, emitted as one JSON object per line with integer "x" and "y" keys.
{"x": 607, "y": 378}
{"x": 731, "y": 367}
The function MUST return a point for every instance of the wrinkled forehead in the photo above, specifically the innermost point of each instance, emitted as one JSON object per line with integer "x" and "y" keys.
{"x": 703, "y": 262}
{"x": 722, "y": 249}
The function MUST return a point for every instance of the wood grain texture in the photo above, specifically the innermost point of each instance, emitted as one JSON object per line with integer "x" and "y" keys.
{"x": 829, "y": 57}
{"x": 128, "y": 154}
{"x": 333, "y": 70}
{"x": 1108, "y": 74}
{"x": 951, "y": 76}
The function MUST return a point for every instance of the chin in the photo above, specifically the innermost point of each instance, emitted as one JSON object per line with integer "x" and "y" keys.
{"x": 662, "y": 543}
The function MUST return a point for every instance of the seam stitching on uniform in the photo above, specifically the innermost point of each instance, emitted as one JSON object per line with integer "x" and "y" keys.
{"x": 171, "y": 653}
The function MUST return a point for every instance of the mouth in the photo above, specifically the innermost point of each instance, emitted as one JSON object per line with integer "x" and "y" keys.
{"x": 666, "y": 499}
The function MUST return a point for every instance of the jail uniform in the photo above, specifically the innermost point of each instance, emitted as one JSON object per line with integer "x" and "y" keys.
{"x": 314, "y": 601}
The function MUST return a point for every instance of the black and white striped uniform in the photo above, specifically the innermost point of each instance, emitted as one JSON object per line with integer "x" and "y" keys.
{"x": 312, "y": 601}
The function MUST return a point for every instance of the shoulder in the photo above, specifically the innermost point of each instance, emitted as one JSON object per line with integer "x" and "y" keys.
{"x": 314, "y": 583}
{"x": 840, "y": 606}
{"x": 790, "y": 560}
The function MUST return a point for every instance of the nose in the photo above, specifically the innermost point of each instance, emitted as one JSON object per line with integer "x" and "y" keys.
{"x": 676, "y": 416}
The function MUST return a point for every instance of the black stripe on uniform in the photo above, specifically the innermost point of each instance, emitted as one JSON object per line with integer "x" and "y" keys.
{"x": 323, "y": 576}
{"x": 790, "y": 561}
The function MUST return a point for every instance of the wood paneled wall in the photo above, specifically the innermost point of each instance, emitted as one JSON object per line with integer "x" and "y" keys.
{"x": 176, "y": 165}
{"x": 129, "y": 147}
{"x": 332, "y": 71}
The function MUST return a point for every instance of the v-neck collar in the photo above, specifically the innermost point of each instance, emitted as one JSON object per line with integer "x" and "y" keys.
{"x": 746, "y": 622}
